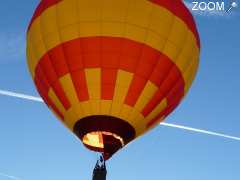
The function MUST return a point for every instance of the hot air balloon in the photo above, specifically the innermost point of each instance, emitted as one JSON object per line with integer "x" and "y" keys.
{"x": 111, "y": 70}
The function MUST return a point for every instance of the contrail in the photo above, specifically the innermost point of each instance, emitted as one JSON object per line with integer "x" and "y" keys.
{"x": 22, "y": 96}
{"x": 200, "y": 131}
{"x": 38, "y": 99}
{"x": 10, "y": 177}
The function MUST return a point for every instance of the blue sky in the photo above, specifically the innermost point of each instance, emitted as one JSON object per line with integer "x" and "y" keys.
{"x": 35, "y": 146}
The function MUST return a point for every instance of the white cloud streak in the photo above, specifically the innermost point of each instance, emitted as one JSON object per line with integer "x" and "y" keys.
{"x": 38, "y": 99}
{"x": 19, "y": 95}
{"x": 200, "y": 131}
{"x": 9, "y": 176}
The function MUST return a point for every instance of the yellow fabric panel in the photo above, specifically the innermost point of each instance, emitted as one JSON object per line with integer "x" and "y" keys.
{"x": 48, "y": 21}
{"x": 158, "y": 28}
{"x": 89, "y": 10}
{"x": 52, "y": 40}
{"x": 116, "y": 30}
{"x": 105, "y": 107}
{"x": 93, "y": 78}
{"x": 78, "y": 109}
{"x": 56, "y": 101}
{"x": 147, "y": 93}
{"x": 135, "y": 33}
{"x": 86, "y": 106}
{"x": 162, "y": 21}
{"x": 31, "y": 58}
{"x": 162, "y": 14}
{"x": 138, "y": 122}
{"x": 87, "y": 29}
{"x": 95, "y": 106}
{"x": 125, "y": 110}
{"x": 123, "y": 78}
{"x": 188, "y": 54}
{"x": 171, "y": 50}
{"x": 155, "y": 40}
{"x": 114, "y": 10}
{"x": 158, "y": 109}
{"x": 123, "y": 81}
{"x": 185, "y": 56}
{"x": 116, "y": 108}
{"x": 72, "y": 115}
{"x": 70, "y": 15}
{"x": 190, "y": 73}
{"x": 37, "y": 45}
{"x": 139, "y": 12}
{"x": 178, "y": 33}
{"x": 68, "y": 87}
{"x": 69, "y": 32}
{"x": 35, "y": 32}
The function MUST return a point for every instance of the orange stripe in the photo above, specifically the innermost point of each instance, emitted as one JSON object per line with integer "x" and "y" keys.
{"x": 42, "y": 6}
{"x": 180, "y": 10}
{"x": 145, "y": 62}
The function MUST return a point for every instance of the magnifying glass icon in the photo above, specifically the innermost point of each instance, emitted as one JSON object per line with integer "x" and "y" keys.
{"x": 233, "y": 5}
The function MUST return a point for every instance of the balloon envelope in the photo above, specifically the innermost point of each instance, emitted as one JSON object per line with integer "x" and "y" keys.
{"x": 112, "y": 69}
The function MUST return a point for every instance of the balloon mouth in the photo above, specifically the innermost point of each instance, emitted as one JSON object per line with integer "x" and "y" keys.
{"x": 105, "y": 134}
{"x": 100, "y": 141}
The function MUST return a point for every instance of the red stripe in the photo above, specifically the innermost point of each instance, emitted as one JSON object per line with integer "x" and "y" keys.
{"x": 49, "y": 67}
{"x": 137, "y": 85}
{"x": 146, "y": 63}
{"x": 164, "y": 113}
{"x": 130, "y": 54}
{"x": 171, "y": 85}
{"x": 80, "y": 84}
{"x": 57, "y": 57}
{"x": 73, "y": 55}
{"x": 174, "y": 97}
{"x": 42, "y": 89}
{"x": 57, "y": 88}
{"x": 42, "y": 6}
{"x": 91, "y": 50}
{"x": 108, "y": 80}
{"x": 179, "y": 9}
